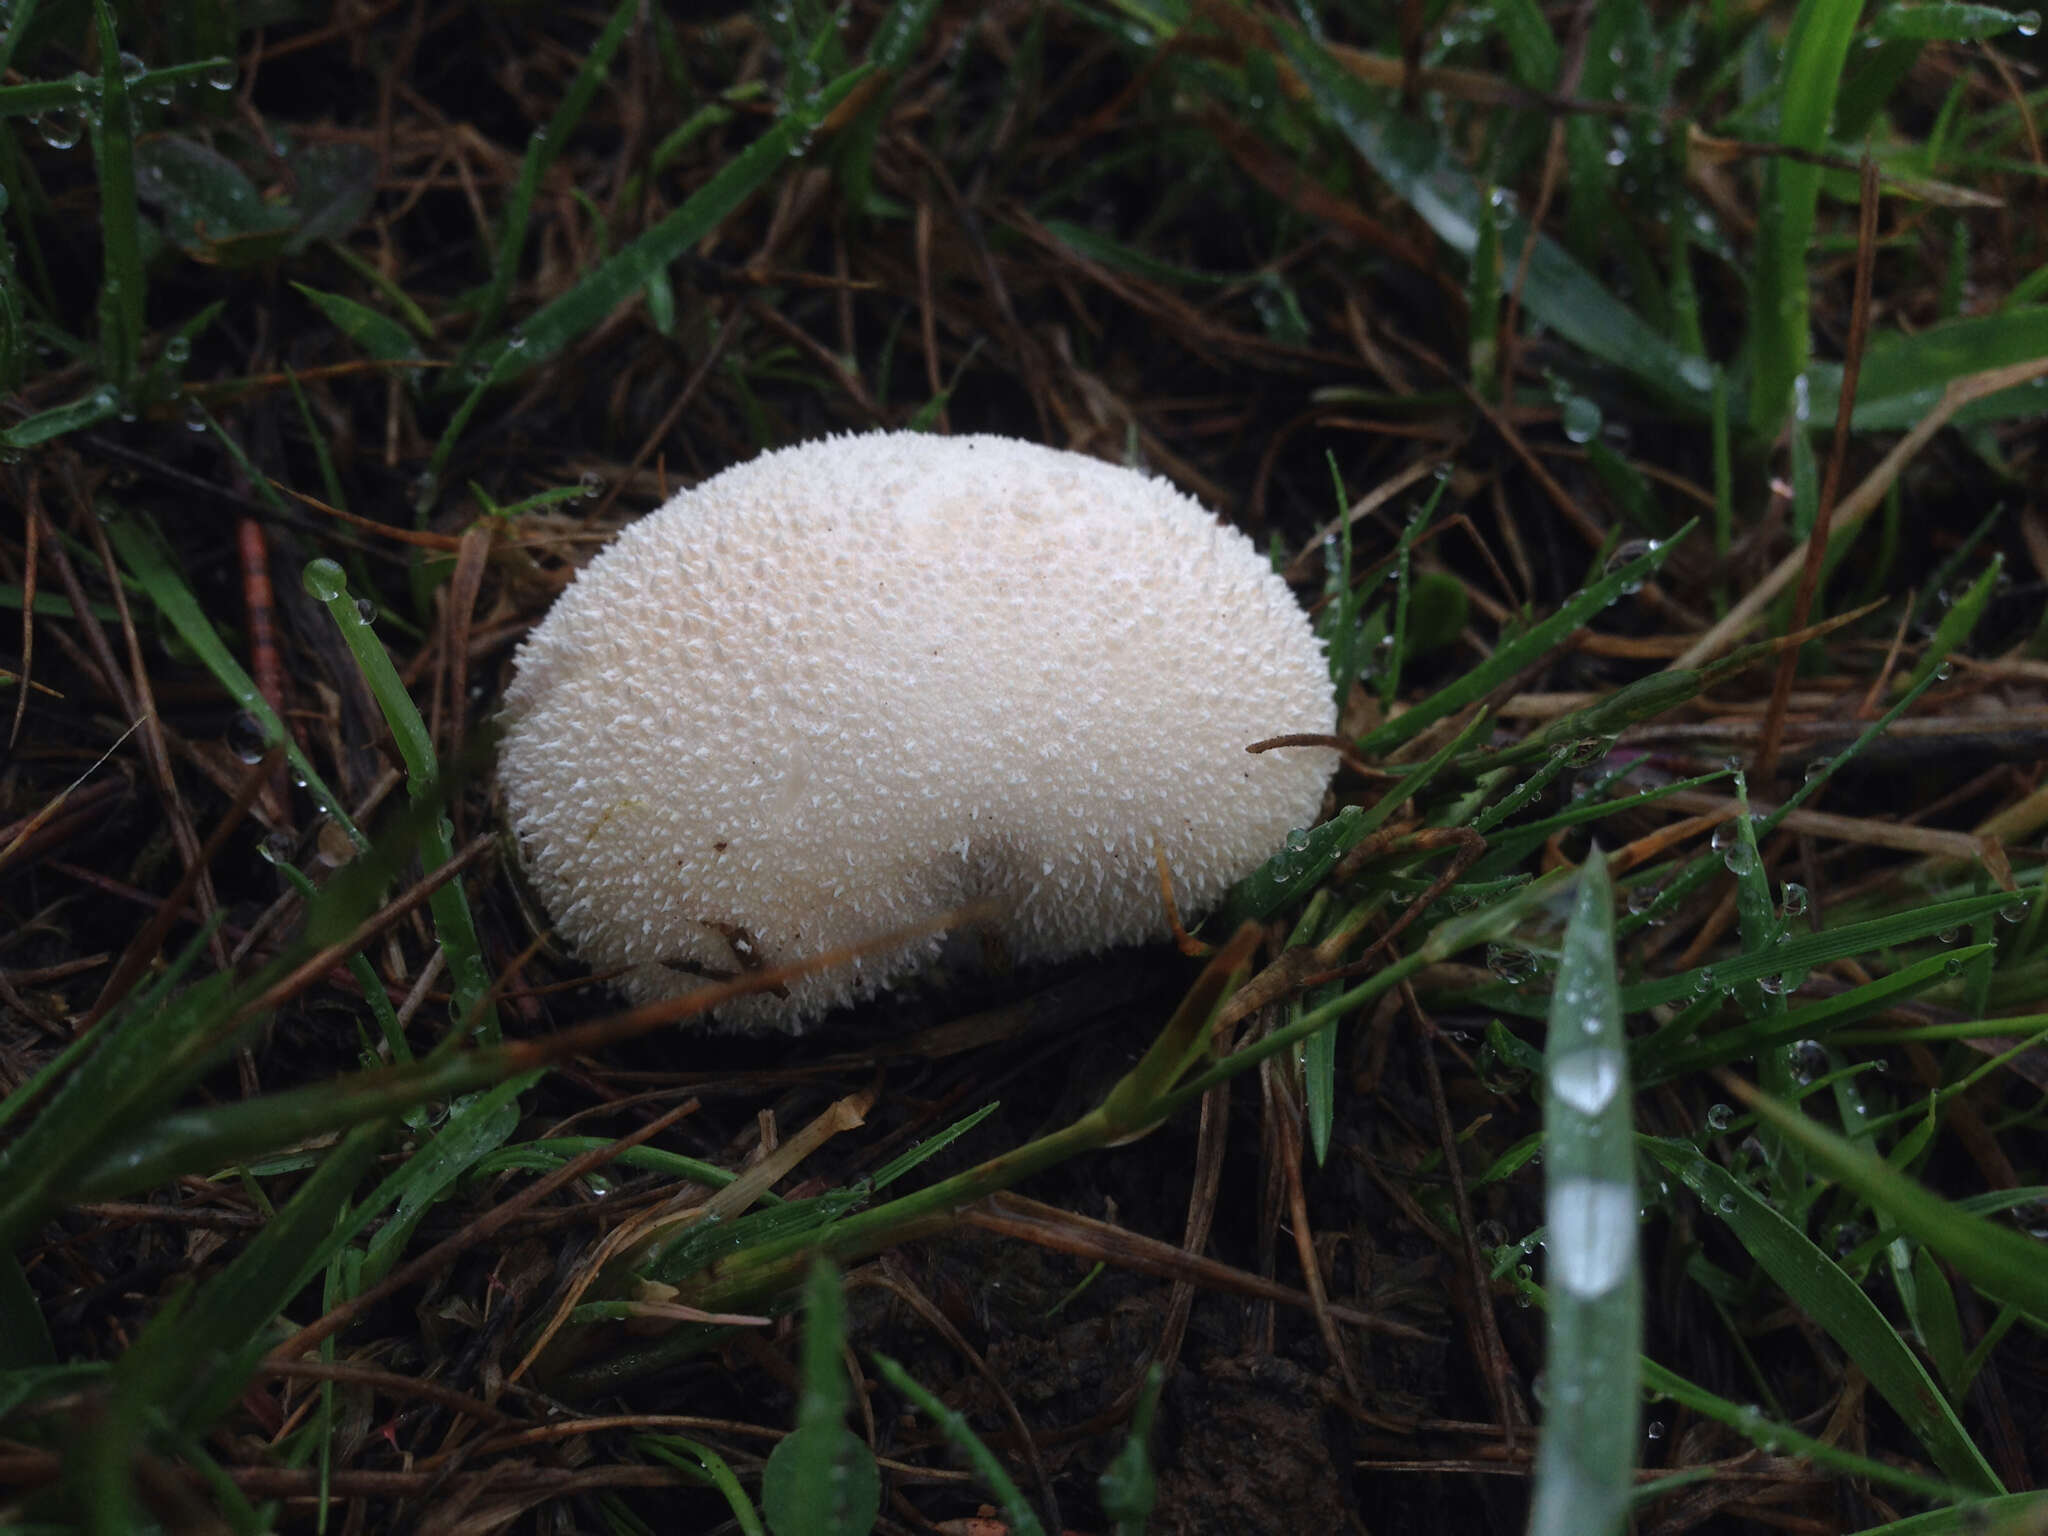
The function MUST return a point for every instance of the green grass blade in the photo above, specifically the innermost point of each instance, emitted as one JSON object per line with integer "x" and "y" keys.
{"x": 1023, "y": 1520}
{"x": 1411, "y": 154}
{"x": 469, "y": 975}
{"x": 122, "y": 285}
{"x": 1514, "y": 654}
{"x": 1586, "y": 1457}
{"x": 1818, "y": 1286}
{"x": 1815, "y": 50}
{"x": 2000, "y": 1262}
{"x": 541, "y": 151}
{"x": 148, "y": 559}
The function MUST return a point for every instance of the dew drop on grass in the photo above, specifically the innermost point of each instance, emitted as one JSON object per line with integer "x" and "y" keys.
{"x": 366, "y": 611}
{"x": 592, "y": 483}
{"x": 60, "y": 127}
{"x": 222, "y": 76}
{"x": 177, "y": 350}
{"x": 245, "y": 737}
{"x": 1511, "y": 963}
{"x": 1720, "y": 1117}
{"x": 1580, "y": 418}
{"x": 1587, "y": 1080}
{"x": 1794, "y": 903}
{"x": 1592, "y": 1234}
{"x": 325, "y": 580}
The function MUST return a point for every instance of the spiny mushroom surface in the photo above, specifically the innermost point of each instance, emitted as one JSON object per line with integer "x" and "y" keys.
{"x": 854, "y": 685}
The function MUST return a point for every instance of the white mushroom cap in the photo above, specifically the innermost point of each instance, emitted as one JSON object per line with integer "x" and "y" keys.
{"x": 857, "y": 684}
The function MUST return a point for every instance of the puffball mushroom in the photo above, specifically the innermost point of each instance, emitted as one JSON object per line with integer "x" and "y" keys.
{"x": 853, "y": 686}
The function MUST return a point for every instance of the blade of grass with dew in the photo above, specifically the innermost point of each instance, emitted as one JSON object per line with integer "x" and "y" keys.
{"x": 1999, "y": 1262}
{"x": 1806, "y": 952}
{"x": 1586, "y": 1455}
{"x": 1747, "y": 1420}
{"x": 1520, "y": 651}
{"x": 1902, "y": 376}
{"x": 1819, "y": 1288}
{"x": 1658, "y": 1061}
{"x": 1396, "y": 644}
{"x": 2017, "y": 1514}
{"x": 1309, "y": 856}
{"x": 1507, "y": 850}
{"x": 1763, "y": 1000}
{"x": 705, "y": 1463}
{"x": 1410, "y": 153}
{"x": 469, "y": 976}
{"x": 475, "y": 1127}
{"x": 541, "y": 151}
{"x": 1957, "y": 625}
{"x": 1701, "y": 869}
{"x": 377, "y": 334}
{"x": 1023, "y": 1520}
{"x": 822, "y": 1480}
{"x": 103, "y": 404}
{"x": 149, "y": 560}
{"x": 1318, "y": 1054}
{"x": 1816, "y": 48}
{"x": 122, "y": 285}
{"x": 616, "y": 279}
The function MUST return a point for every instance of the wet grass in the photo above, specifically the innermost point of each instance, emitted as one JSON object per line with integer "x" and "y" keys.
{"x": 1627, "y": 1103}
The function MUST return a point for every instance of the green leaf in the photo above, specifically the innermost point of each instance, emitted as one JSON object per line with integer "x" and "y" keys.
{"x": 379, "y": 335}
{"x": 1903, "y": 376}
{"x": 822, "y": 1480}
{"x": 208, "y": 206}
{"x": 1951, "y": 23}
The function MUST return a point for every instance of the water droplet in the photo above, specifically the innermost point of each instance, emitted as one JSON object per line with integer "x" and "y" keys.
{"x": 1720, "y": 1117}
{"x": 1808, "y": 1060}
{"x": 245, "y": 737}
{"x": 1641, "y": 898}
{"x": 1580, "y": 418}
{"x": 2016, "y": 913}
{"x": 1726, "y": 1205}
{"x": 1943, "y": 672}
{"x": 1625, "y": 555}
{"x": 222, "y": 76}
{"x": 516, "y": 342}
{"x": 592, "y": 483}
{"x": 1794, "y": 903}
{"x": 276, "y": 847}
{"x": 1490, "y": 1235}
{"x": 1587, "y": 1080}
{"x": 1703, "y": 983}
{"x": 325, "y": 580}
{"x": 60, "y": 127}
{"x": 1592, "y": 1234}
{"x": 1654, "y": 1430}
{"x": 2027, "y": 23}
{"x": 1952, "y": 966}
{"x": 1511, "y": 963}
{"x": 132, "y": 68}
{"x": 177, "y": 350}
{"x": 1949, "y": 935}
{"x": 194, "y": 415}
{"x": 366, "y": 611}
